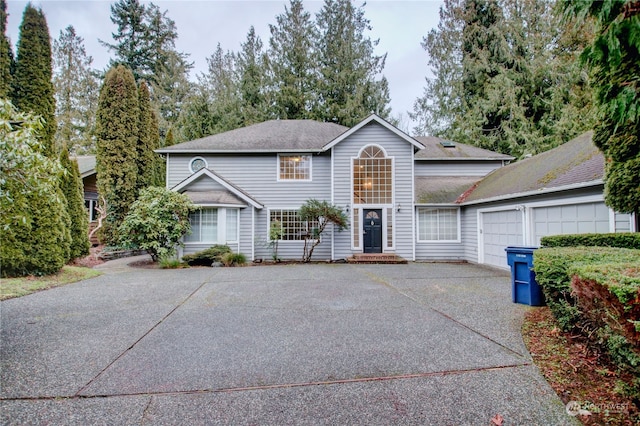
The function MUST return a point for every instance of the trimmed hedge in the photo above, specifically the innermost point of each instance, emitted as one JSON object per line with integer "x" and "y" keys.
{"x": 554, "y": 269}
{"x": 208, "y": 256}
{"x": 620, "y": 239}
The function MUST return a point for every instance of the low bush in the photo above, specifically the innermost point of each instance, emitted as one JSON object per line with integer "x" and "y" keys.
{"x": 208, "y": 256}
{"x": 620, "y": 240}
{"x": 233, "y": 259}
{"x": 554, "y": 268}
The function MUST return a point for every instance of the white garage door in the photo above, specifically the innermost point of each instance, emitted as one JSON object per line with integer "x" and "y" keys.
{"x": 570, "y": 219}
{"x": 499, "y": 230}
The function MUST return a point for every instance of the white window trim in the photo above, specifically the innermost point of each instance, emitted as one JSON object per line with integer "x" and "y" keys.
{"x": 221, "y": 225}
{"x": 279, "y": 179}
{"x": 269, "y": 226}
{"x": 385, "y": 218}
{"x": 458, "y": 230}
{"x": 206, "y": 164}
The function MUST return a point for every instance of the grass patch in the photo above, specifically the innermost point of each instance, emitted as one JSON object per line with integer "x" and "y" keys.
{"x": 576, "y": 372}
{"x": 16, "y": 287}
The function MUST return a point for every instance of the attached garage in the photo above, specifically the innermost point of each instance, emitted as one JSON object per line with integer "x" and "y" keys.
{"x": 497, "y": 230}
{"x": 570, "y": 219}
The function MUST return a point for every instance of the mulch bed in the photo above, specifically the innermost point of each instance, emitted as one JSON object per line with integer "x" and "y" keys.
{"x": 577, "y": 372}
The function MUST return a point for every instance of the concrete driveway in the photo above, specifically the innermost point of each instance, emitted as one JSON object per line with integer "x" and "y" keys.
{"x": 298, "y": 344}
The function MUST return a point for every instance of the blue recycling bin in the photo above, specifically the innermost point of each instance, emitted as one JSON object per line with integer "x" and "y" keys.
{"x": 524, "y": 287}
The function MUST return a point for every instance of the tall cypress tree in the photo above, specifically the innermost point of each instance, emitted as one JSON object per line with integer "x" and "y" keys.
{"x": 32, "y": 81}
{"x": 148, "y": 140}
{"x": 71, "y": 186}
{"x": 116, "y": 139}
{"x": 6, "y": 54}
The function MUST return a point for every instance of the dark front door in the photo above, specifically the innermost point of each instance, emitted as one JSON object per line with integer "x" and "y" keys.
{"x": 372, "y": 231}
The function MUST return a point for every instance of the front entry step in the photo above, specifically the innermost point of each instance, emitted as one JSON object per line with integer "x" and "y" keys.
{"x": 376, "y": 258}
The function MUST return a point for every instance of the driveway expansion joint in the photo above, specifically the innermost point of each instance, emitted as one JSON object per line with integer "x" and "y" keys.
{"x": 410, "y": 376}
{"x": 156, "y": 325}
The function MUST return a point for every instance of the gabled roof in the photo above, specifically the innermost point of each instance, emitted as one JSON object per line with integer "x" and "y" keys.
{"x": 86, "y": 164}
{"x": 218, "y": 198}
{"x": 231, "y": 188}
{"x": 373, "y": 118}
{"x": 269, "y": 136}
{"x": 435, "y": 149}
{"x": 577, "y": 163}
{"x": 442, "y": 189}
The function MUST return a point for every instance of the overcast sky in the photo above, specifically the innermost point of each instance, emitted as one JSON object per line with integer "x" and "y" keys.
{"x": 399, "y": 24}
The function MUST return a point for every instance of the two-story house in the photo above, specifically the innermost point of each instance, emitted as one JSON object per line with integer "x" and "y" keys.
{"x": 416, "y": 198}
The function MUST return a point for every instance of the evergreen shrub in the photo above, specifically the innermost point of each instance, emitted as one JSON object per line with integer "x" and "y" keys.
{"x": 208, "y": 256}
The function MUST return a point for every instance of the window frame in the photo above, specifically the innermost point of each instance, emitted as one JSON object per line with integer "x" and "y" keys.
{"x": 281, "y": 210}
{"x": 280, "y": 157}
{"x": 193, "y": 160}
{"x": 423, "y": 209}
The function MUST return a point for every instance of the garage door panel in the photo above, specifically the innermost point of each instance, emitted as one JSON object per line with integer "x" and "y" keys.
{"x": 570, "y": 219}
{"x": 500, "y": 230}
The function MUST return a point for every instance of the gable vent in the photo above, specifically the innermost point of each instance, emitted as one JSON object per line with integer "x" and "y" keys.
{"x": 448, "y": 144}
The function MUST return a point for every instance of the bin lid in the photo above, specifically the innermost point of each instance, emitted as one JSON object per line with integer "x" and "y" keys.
{"x": 520, "y": 249}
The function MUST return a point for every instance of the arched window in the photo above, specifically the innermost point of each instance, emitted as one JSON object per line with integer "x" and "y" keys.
{"x": 372, "y": 177}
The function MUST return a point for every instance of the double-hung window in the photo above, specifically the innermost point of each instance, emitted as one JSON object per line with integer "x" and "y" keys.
{"x": 204, "y": 226}
{"x": 213, "y": 225}
{"x": 294, "y": 167}
{"x": 438, "y": 224}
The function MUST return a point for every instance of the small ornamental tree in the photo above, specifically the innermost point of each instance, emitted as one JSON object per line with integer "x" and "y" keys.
{"x": 318, "y": 214}
{"x": 157, "y": 221}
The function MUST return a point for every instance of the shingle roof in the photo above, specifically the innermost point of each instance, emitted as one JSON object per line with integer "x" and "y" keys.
{"x": 214, "y": 197}
{"x": 434, "y": 150}
{"x": 442, "y": 189}
{"x": 86, "y": 164}
{"x": 269, "y": 136}
{"x": 576, "y": 162}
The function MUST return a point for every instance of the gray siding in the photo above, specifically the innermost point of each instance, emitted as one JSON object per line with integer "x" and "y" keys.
{"x": 455, "y": 167}
{"x": 257, "y": 175}
{"x": 402, "y": 153}
{"x": 469, "y": 214}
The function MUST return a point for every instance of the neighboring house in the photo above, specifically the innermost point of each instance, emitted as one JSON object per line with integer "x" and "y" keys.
{"x": 418, "y": 198}
{"x": 87, "y": 167}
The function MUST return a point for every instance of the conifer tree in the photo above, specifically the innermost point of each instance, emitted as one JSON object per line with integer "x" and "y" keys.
{"x": 117, "y": 121}
{"x": 148, "y": 140}
{"x": 32, "y": 82}
{"x": 612, "y": 59}
{"x": 252, "y": 70}
{"x": 34, "y": 224}
{"x": 292, "y": 61}
{"x": 6, "y": 54}
{"x": 350, "y": 85}
{"x": 76, "y": 92}
{"x": 71, "y": 186}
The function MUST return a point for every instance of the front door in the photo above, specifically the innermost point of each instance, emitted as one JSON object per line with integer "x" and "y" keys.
{"x": 372, "y": 232}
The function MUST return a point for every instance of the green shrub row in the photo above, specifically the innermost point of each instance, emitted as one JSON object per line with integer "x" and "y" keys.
{"x": 595, "y": 291}
{"x": 608, "y": 297}
{"x": 621, "y": 239}
{"x": 554, "y": 267}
